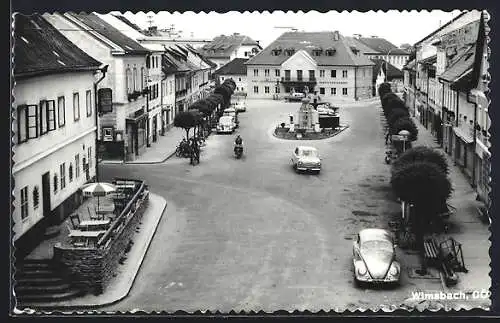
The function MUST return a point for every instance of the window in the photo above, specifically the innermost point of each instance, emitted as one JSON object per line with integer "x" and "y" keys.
{"x": 61, "y": 111}
{"x": 266, "y": 72}
{"x": 239, "y": 79}
{"x": 255, "y": 89}
{"x": 36, "y": 197}
{"x": 287, "y": 74}
{"x": 277, "y": 73}
{"x": 135, "y": 79}
{"x": 22, "y": 124}
{"x": 334, "y": 73}
{"x": 266, "y": 89}
{"x": 42, "y": 115}
{"x": 312, "y": 77}
{"x": 143, "y": 78}
{"x": 364, "y": 71}
{"x": 32, "y": 121}
{"x": 277, "y": 89}
{"x": 76, "y": 106}
{"x": 51, "y": 115}
{"x": 255, "y": 72}
{"x": 24, "y": 202}
{"x": 287, "y": 89}
{"x": 70, "y": 172}
{"x": 222, "y": 78}
{"x": 344, "y": 73}
{"x": 321, "y": 90}
{"x": 299, "y": 75}
{"x": 128, "y": 80}
{"x": 88, "y": 102}
{"x": 77, "y": 165}
{"x": 62, "y": 171}
{"x": 171, "y": 85}
{"x": 333, "y": 91}
{"x": 322, "y": 73}
{"x": 89, "y": 155}
{"x": 344, "y": 91}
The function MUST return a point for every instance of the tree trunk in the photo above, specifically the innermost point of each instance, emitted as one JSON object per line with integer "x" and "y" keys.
{"x": 187, "y": 133}
{"x": 419, "y": 235}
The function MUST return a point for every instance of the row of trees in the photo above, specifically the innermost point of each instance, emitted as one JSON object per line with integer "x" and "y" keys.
{"x": 419, "y": 176}
{"x": 396, "y": 114}
{"x": 201, "y": 113}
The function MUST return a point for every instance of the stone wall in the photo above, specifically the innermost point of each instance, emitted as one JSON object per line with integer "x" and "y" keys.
{"x": 92, "y": 268}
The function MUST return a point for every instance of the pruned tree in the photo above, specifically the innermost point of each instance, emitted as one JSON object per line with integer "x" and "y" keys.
{"x": 395, "y": 114}
{"x": 383, "y": 89}
{"x": 387, "y": 98}
{"x": 405, "y": 123}
{"x": 422, "y": 153}
{"x": 186, "y": 120}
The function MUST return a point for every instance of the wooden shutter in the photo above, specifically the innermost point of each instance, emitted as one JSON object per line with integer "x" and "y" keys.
{"x": 33, "y": 130}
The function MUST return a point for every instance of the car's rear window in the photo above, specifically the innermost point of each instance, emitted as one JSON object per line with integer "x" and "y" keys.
{"x": 377, "y": 245}
{"x": 309, "y": 153}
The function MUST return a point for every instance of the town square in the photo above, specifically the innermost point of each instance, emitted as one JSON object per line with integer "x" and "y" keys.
{"x": 318, "y": 170}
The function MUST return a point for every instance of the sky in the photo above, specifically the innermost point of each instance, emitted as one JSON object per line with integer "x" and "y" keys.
{"x": 397, "y": 27}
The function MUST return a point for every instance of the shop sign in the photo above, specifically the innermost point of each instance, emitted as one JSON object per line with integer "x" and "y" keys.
{"x": 460, "y": 37}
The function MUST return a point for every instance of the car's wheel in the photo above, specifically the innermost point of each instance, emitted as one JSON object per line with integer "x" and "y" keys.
{"x": 358, "y": 283}
{"x": 294, "y": 166}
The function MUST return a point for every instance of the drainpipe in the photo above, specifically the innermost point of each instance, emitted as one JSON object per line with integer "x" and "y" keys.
{"x": 161, "y": 100}
{"x": 355, "y": 85}
{"x": 443, "y": 119}
{"x": 427, "y": 101}
{"x": 474, "y": 160}
{"x": 456, "y": 125}
{"x": 103, "y": 70}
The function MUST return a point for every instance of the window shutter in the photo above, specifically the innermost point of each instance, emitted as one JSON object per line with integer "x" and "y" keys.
{"x": 43, "y": 117}
{"x": 32, "y": 121}
{"x": 51, "y": 115}
{"x": 22, "y": 124}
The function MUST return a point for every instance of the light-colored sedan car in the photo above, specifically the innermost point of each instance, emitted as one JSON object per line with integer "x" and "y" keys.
{"x": 240, "y": 106}
{"x": 306, "y": 159}
{"x": 374, "y": 257}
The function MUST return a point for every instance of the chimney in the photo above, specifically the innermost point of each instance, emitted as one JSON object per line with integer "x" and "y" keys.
{"x": 336, "y": 35}
{"x": 374, "y": 36}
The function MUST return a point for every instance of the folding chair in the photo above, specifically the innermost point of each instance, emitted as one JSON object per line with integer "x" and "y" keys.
{"x": 75, "y": 220}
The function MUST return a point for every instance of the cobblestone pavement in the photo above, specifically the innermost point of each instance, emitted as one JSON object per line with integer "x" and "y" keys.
{"x": 251, "y": 234}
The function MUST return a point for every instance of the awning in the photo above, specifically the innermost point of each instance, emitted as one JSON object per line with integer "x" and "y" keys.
{"x": 464, "y": 135}
{"x": 461, "y": 68}
{"x": 482, "y": 150}
{"x": 136, "y": 119}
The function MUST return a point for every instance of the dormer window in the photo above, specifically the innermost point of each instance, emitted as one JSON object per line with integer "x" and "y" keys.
{"x": 276, "y": 52}
{"x": 317, "y": 52}
{"x": 354, "y": 50}
{"x": 330, "y": 51}
{"x": 289, "y": 51}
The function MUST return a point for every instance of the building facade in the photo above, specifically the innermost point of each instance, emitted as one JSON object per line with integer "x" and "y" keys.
{"x": 123, "y": 132}
{"x": 55, "y": 129}
{"x": 310, "y": 61}
{"x": 380, "y": 48}
{"x": 236, "y": 70}
{"x": 445, "y": 86}
{"x": 223, "y": 49}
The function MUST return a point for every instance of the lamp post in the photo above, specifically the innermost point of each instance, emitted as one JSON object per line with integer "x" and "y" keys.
{"x": 387, "y": 56}
{"x": 405, "y": 134}
{"x": 103, "y": 70}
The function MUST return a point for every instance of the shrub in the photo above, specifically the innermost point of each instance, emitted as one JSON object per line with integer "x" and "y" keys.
{"x": 395, "y": 114}
{"x": 405, "y": 123}
{"x": 383, "y": 89}
{"x": 422, "y": 153}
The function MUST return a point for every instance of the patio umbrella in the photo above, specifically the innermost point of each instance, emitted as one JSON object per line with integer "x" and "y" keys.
{"x": 98, "y": 189}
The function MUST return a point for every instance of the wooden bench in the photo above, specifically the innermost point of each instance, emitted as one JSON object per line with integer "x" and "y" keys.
{"x": 431, "y": 251}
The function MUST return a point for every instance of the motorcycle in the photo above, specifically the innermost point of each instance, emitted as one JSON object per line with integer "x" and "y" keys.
{"x": 238, "y": 151}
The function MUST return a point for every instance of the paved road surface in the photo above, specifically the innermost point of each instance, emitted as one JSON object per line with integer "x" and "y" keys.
{"x": 251, "y": 234}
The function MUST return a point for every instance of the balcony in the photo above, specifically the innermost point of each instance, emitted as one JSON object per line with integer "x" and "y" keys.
{"x": 298, "y": 80}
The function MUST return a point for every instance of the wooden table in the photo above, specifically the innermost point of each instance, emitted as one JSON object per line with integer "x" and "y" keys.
{"x": 85, "y": 238}
{"x": 94, "y": 225}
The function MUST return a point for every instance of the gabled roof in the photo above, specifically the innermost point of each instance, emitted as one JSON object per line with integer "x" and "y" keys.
{"x": 361, "y": 46}
{"x": 128, "y": 22}
{"x": 310, "y": 41}
{"x": 235, "y": 67}
{"x": 382, "y": 46}
{"x": 461, "y": 67}
{"x": 203, "y": 58}
{"x": 441, "y": 28}
{"x": 222, "y": 46}
{"x": 391, "y": 71}
{"x": 410, "y": 65}
{"x": 100, "y": 26}
{"x": 41, "y": 49}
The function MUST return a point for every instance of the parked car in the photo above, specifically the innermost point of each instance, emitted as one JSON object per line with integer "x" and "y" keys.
{"x": 296, "y": 96}
{"x": 374, "y": 257}
{"x": 226, "y": 125}
{"x": 233, "y": 113}
{"x": 240, "y": 106}
{"x": 306, "y": 159}
{"x": 327, "y": 109}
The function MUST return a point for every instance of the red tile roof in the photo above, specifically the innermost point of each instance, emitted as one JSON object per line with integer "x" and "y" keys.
{"x": 382, "y": 46}
{"x": 235, "y": 67}
{"x": 41, "y": 49}
{"x": 309, "y": 41}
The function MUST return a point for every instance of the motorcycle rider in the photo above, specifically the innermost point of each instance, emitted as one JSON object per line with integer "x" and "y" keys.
{"x": 238, "y": 142}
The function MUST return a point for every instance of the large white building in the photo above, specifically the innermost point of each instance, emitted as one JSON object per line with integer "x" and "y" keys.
{"x": 54, "y": 126}
{"x": 375, "y": 47}
{"x": 319, "y": 61}
{"x": 236, "y": 70}
{"x": 124, "y": 131}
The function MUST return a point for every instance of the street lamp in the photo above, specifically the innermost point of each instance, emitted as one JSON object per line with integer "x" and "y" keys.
{"x": 405, "y": 134}
{"x": 387, "y": 56}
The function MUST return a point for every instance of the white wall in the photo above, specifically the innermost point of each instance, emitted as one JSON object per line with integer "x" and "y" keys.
{"x": 245, "y": 48}
{"x": 240, "y": 80}
{"x": 45, "y": 154}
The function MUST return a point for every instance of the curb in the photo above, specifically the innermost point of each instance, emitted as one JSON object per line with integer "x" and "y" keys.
{"x": 344, "y": 127}
{"x": 146, "y": 162}
{"x": 93, "y": 306}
